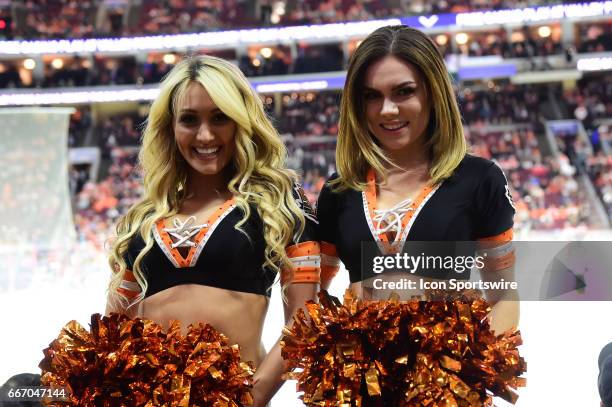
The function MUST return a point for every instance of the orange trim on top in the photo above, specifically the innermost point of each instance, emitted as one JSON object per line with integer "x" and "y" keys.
{"x": 184, "y": 262}
{"x": 308, "y": 248}
{"x": 304, "y": 274}
{"x": 328, "y": 249}
{"x": 372, "y": 202}
{"x": 503, "y": 237}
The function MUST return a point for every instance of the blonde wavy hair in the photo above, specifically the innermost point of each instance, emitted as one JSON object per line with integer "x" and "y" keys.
{"x": 259, "y": 177}
{"x": 357, "y": 150}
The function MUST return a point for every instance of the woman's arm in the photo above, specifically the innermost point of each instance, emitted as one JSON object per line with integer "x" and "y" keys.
{"x": 494, "y": 230}
{"x": 125, "y": 294}
{"x": 505, "y": 304}
{"x": 112, "y": 306}
{"x": 267, "y": 379}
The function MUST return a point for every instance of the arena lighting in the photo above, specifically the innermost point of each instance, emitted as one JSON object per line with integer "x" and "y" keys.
{"x": 223, "y": 39}
{"x": 126, "y": 93}
{"x": 169, "y": 59}
{"x": 534, "y": 14}
{"x": 490, "y": 71}
{"x": 441, "y": 39}
{"x": 266, "y": 52}
{"x": 291, "y": 86}
{"x": 57, "y": 63}
{"x": 546, "y": 76}
{"x": 544, "y": 31}
{"x": 76, "y": 97}
{"x": 29, "y": 64}
{"x": 339, "y": 31}
{"x": 461, "y": 38}
{"x": 594, "y": 64}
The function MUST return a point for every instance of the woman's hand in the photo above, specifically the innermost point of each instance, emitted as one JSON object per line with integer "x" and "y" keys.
{"x": 267, "y": 379}
{"x": 504, "y": 316}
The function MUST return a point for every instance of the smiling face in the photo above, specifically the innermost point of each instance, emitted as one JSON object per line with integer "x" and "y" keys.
{"x": 205, "y": 136}
{"x": 396, "y": 104}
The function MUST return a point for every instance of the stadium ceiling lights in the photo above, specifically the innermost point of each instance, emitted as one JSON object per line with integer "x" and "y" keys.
{"x": 201, "y": 40}
{"x": 100, "y": 94}
{"x": 534, "y": 14}
{"x": 594, "y": 64}
{"x": 334, "y": 32}
{"x": 78, "y": 97}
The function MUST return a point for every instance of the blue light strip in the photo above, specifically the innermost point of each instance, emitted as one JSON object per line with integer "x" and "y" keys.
{"x": 486, "y": 72}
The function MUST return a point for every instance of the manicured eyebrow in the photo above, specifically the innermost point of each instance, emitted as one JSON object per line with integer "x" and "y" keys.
{"x": 215, "y": 110}
{"x": 401, "y": 85}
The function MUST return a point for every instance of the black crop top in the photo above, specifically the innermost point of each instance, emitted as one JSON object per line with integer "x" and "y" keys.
{"x": 474, "y": 203}
{"x": 220, "y": 256}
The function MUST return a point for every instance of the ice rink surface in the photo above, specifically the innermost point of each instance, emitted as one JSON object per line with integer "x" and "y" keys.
{"x": 561, "y": 339}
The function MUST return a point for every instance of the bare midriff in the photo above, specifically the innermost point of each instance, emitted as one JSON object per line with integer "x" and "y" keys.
{"x": 238, "y": 315}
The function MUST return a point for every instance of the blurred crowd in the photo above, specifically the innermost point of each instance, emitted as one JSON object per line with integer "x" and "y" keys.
{"x": 97, "y": 70}
{"x": 599, "y": 167}
{"x": 545, "y": 191}
{"x": 266, "y": 61}
{"x": 503, "y": 122}
{"x": 330, "y": 11}
{"x": 101, "y": 18}
{"x": 500, "y": 104}
{"x": 118, "y": 131}
{"x": 99, "y": 205}
{"x": 590, "y": 101}
{"x": 308, "y": 114}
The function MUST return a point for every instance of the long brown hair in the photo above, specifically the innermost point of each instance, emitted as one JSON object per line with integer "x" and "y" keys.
{"x": 356, "y": 150}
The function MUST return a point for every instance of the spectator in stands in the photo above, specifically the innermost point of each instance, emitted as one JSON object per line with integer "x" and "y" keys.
{"x": 604, "y": 379}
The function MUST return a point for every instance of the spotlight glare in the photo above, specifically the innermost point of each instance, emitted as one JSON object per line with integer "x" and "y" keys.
{"x": 57, "y": 63}
{"x": 461, "y": 38}
{"x": 29, "y": 63}
{"x": 544, "y": 31}
{"x": 169, "y": 59}
{"x": 266, "y": 52}
{"x": 441, "y": 39}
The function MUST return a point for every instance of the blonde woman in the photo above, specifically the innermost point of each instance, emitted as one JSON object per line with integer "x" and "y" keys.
{"x": 403, "y": 169}
{"x": 221, "y": 217}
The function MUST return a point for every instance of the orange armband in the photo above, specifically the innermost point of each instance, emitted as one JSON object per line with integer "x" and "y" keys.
{"x": 306, "y": 260}
{"x": 129, "y": 288}
{"x": 498, "y": 251}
